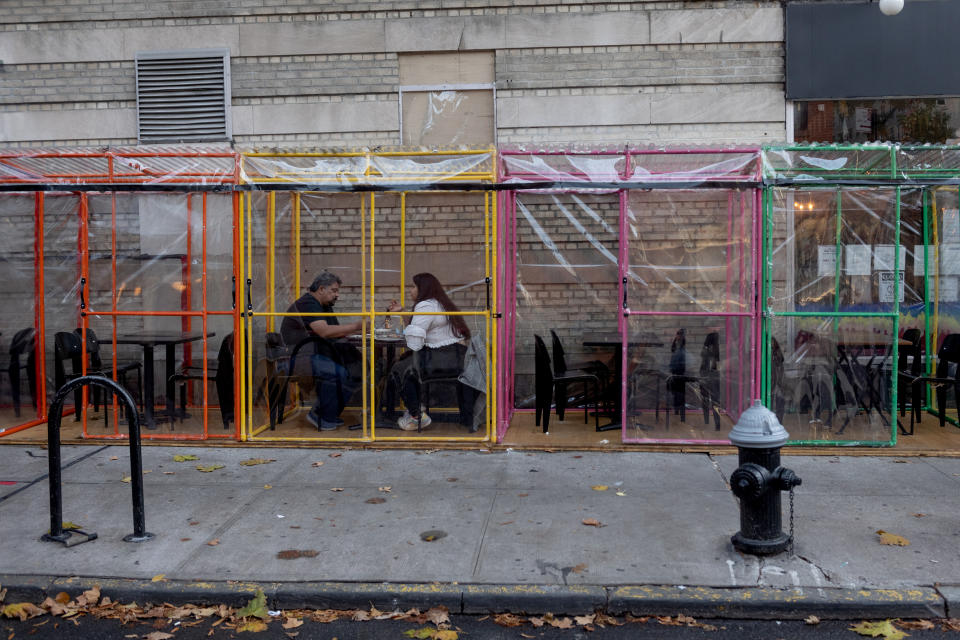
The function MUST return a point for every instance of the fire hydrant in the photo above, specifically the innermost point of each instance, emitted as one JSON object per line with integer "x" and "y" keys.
{"x": 758, "y": 481}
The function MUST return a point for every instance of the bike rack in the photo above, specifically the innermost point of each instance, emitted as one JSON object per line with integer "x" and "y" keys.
{"x": 68, "y": 537}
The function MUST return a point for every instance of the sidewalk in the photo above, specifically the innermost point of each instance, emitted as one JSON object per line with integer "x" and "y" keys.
{"x": 504, "y": 531}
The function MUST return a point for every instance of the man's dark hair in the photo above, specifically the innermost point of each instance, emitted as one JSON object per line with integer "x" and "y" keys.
{"x": 325, "y": 279}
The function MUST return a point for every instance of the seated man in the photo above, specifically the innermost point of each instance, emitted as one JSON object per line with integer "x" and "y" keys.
{"x": 328, "y": 360}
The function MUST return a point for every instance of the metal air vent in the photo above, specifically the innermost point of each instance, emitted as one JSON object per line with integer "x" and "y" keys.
{"x": 183, "y": 96}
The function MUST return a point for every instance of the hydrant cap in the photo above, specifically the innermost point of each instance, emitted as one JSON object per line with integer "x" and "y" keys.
{"x": 758, "y": 428}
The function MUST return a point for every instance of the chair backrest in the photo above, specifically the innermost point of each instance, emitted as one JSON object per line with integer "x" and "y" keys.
{"x": 544, "y": 374}
{"x": 93, "y": 347}
{"x": 914, "y": 349}
{"x": 949, "y": 352}
{"x": 224, "y": 378}
{"x": 776, "y": 356}
{"x": 559, "y": 360}
{"x": 710, "y": 354}
{"x": 23, "y": 341}
{"x": 66, "y": 346}
{"x": 275, "y": 348}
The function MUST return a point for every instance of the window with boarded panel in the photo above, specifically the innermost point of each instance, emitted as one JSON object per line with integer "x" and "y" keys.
{"x": 183, "y": 96}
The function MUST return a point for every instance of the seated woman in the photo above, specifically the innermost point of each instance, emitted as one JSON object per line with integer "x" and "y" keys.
{"x": 439, "y": 345}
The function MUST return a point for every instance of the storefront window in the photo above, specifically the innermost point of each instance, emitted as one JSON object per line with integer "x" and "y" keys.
{"x": 934, "y": 120}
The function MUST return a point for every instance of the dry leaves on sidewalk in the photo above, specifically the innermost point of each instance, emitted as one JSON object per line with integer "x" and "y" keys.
{"x": 881, "y": 629}
{"x": 212, "y": 467}
{"x": 255, "y": 461}
{"x": 184, "y": 458}
{"x": 892, "y": 539}
{"x": 593, "y": 522}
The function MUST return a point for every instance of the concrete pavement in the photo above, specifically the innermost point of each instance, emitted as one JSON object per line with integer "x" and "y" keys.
{"x": 481, "y": 531}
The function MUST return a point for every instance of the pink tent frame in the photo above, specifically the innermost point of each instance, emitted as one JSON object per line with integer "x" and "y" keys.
{"x": 743, "y": 232}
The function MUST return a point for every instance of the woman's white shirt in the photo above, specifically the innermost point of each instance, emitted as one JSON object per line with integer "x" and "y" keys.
{"x": 439, "y": 329}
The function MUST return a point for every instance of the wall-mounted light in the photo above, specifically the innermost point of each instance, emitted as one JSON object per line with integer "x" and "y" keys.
{"x": 891, "y": 7}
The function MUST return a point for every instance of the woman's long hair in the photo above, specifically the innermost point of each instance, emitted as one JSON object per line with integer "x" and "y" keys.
{"x": 428, "y": 287}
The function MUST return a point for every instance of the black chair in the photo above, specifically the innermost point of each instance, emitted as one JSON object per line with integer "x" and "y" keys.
{"x": 910, "y": 368}
{"x": 23, "y": 360}
{"x": 221, "y": 375}
{"x": 948, "y": 354}
{"x": 445, "y": 375}
{"x": 69, "y": 346}
{"x": 707, "y": 382}
{"x": 560, "y": 369}
{"x": 777, "y": 390}
{"x": 547, "y": 382}
{"x": 280, "y": 362}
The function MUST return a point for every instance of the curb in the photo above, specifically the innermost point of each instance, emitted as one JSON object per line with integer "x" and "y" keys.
{"x": 714, "y": 602}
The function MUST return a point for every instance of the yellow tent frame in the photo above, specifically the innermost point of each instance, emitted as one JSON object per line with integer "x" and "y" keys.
{"x": 301, "y": 173}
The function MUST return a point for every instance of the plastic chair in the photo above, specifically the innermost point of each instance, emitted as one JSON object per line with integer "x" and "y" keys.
{"x": 708, "y": 381}
{"x": 69, "y": 346}
{"x": 23, "y": 357}
{"x": 948, "y": 354}
{"x": 425, "y": 380}
{"x": 547, "y": 382}
{"x": 221, "y": 375}
{"x": 910, "y": 361}
{"x": 560, "y": 369}
{"x": 280, "y": 361}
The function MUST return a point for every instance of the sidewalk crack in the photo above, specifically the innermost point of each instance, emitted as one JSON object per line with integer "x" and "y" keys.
{"x": 483, "y": 534}
{"x": 814, "y": 565}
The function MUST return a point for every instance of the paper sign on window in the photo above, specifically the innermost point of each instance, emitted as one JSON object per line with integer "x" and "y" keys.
{"x": 857, "y": 259}
{"x": 918, "y": 260}
{"x": 950, "y": 259}
{"x": 951, "y": 225}
{"x": 826, "y": 260}
{"x": 885, "y": 292}
{"x": 883, "y": 257}
{"x": 948, "y": 289}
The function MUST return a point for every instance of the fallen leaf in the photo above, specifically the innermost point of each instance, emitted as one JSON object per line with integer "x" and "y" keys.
{"x": 66, "y": 526}
{"x": 584, "y": 620}
{"x": 114, "y": 457}
{"x": 522, "y": 495}
{"x": 213, "y": 542}
{"x": 593, "y": 522}
{"x": 375, "y": 500}
{"x": 125, "y": 479}
{"x": 335, "y": 455}
{"x": 580, "y": 568}
{"x": 184, "y": 458}
{"x": 158, "y": 578}
{"x": 812, "y": 620}
{"x": 438, "y": 615}
{"x": 621, "y": 493}
{"x": 22, "y": 610}
{"x": 169, "y": 473}
{"x": 509, "y": 620}
{"x": 882, "y": 628}
{"x": 919, "y": 515}
{"x": 255, "y": 461}
{"x": 452, "y": 479}
{"x": 537, "y": 622}
{"x": 915, "y": 625}
{"x": 524, "y": 635}
{"x": 90, "y": 596}
{"x": 562, "y": 623}
{"x": 505, "y": 523}
{"x": 384, "y": 489}
{"x": 268, "y": 486}
{"x": 185, "y": 539}
{"x": 318, "y": 463}
{"x": 950, "y": 624}
{"x": 254, "y": 626}
{"x": 256, "y": 608}
{"x": 336, "y": 488}
{"x": 892, "y": 539}
{"x": 212, "y": 467}
{"x": 599, "y": 487}
{"x": 158, "y": 635}
{"x": 291, "y": 623}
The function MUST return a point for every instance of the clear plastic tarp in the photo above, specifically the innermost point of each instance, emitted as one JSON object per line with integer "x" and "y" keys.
{"x": 841, "y": 303}
{"x": 826, "y": 163}
{"x": 351, "y": 169}
{"x": 605, "y": 167}
{"x": 372, "y": 245}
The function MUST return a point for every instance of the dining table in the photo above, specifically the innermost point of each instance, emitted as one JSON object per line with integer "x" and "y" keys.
{"x": 614, "y": 342}
{"x": 385, "y": 343}
{"x": 148, "y": 341}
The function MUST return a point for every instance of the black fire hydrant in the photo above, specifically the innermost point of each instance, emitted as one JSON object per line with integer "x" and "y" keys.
{"x": 759, "y": 480}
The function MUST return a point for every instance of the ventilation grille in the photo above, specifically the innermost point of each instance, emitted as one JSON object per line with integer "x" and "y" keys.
{"x": 183, "y": 96}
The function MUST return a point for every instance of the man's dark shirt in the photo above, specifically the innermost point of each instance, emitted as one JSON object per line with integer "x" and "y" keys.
{"x": 293, "y": 329}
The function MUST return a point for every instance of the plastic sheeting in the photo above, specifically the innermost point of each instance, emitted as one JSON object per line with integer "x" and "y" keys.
{"x": 826, "y": 163}
{"x": 842, "y": 302}
{"x": 352, "y": 169}
{"x": 664, "y": 166}
{"x": 374, "y": 244}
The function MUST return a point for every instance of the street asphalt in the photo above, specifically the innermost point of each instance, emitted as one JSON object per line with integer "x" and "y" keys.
{"x": 526, "y": 532}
